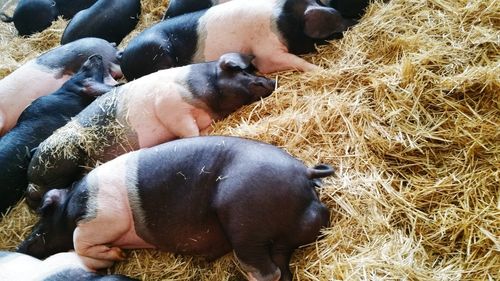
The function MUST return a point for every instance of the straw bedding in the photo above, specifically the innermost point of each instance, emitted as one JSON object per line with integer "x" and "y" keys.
{"x": 407, "y": 108}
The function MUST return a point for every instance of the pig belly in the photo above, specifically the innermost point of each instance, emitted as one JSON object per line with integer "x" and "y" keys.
{"x": 236, "y": 26}
{"x": 24, "y": 85}
{"x": 112, "y": 209}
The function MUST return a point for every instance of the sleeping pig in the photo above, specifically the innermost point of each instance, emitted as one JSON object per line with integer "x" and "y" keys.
{"x": 39, "y": 120}
{"x": 274, "y": 31}
{"x": 59, "y": 267}
{"x": 47, "y": 73}
{"x": 198, "y": 196}
{"x": 32, "y": 16}
{"x": 168, "y": 104}
{"x": 111, "y": 20}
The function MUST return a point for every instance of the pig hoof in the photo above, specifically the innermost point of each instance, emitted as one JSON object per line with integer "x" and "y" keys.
{"x": 313, "y": 68}
{"x": 118, "y": 253}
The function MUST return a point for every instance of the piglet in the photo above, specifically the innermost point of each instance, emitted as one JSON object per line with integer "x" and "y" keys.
{"x": 111, "y": 20}
{"x": 39, "y": 120}
{"x": 198, "y": 196}
{"x": 273, "y": 31}
{"x": 32, "y": 16}
{"x": 47, "y": 73}
{"x": 59, "y": 267}
{"x": 168, "y": 104}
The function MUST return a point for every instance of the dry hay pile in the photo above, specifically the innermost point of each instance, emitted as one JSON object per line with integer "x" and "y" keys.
{"x": 408, "y": 111}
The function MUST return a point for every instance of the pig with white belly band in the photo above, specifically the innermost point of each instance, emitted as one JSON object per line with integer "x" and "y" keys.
{"x": 275, "y": 32}
{"x": 232, "y": 194}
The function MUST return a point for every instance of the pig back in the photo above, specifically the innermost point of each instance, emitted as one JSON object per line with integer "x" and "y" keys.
{"x": 175, "y": 184}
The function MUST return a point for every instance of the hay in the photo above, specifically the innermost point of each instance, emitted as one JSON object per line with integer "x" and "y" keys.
{"x": 407, "y": 108}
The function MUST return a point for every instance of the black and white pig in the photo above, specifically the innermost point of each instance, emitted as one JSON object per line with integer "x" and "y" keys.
{"x": 111, "y": 20}
{"x": 59, "y": 267}
{"x": 274, "y": 31}
{"x": 165, "y": 105}
{"x": 198, "y": 196}
{"x": 47, "y": 73}
{"x": 68, "y": 8}
{"x": 39, "y": 120}
{"x": 32, "y": 16}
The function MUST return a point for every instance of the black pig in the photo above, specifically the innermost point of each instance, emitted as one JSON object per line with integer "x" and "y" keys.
{"x": 198, "y": 196}
{"x": 39, "y": 120}
{"x": 111, "y": 20}
{"x": 32, "y": 16}
{"x": 69, "y": 8}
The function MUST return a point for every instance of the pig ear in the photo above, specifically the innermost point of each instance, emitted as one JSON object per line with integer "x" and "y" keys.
{"x": 321, "y": 22}
{"x": 51, "y": 200}
{"x": 235, "y": 61}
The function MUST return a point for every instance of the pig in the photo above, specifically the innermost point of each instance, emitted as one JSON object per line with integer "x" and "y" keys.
{"x": 168, "y": 104}
{"x": 61, "y": 267}
{"x": 68, "y": 8}
{"x": 39, "y": 120}
{"x": 273, "y": 31}
{"x": 198, "y": 196}
{"x": 47, "y": 73}
{"x": 111, "y": 20}
{"x": 32, "y": 16}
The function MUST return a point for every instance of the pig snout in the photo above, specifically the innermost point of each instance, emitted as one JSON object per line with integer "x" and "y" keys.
{"x": 262, "y": 87}
{"x": 33, "y": 245}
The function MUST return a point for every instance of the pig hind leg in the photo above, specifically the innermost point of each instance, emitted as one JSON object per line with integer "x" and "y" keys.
{"x": 281, "y": 255}
{"x": 255, "y": 258}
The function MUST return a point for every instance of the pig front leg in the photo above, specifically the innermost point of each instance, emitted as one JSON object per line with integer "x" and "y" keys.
{"x": 177, "y": 116}
{"x": 92, "y": 246}
{"x": 186, "y": 127}
{"x": 282, "y": 61}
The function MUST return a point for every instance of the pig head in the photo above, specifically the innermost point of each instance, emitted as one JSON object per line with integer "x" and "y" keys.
{"x": 234, "y": 84}
{"x": 54, "y": 231}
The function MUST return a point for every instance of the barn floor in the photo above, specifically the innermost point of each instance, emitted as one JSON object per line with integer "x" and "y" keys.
{"x": 407, "y": 109}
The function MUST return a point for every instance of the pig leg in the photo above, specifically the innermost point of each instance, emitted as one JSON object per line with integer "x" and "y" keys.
{"x": 282, "y": 61}
{"x": 256, "y": 261}
{"x": 184, "y": 126}
{"x": 187, "y": 127}
{"x": 281, "y": 255}
{"x": 92, "y": 247}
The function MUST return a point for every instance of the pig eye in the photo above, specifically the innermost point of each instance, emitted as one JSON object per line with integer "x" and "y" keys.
{"x": 250, "y": 69}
